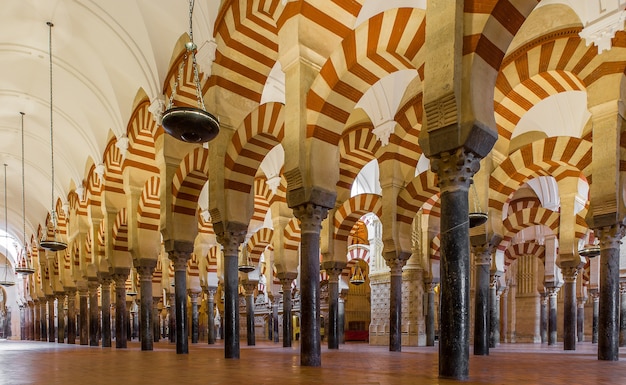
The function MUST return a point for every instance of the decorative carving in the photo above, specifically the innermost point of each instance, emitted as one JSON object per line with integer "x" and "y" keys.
{"x": 310, "y": 216}
{"x": 179, "y": 258}
{"x": 157, "y": 106}
{"x": 610, "y": 236}
{"x": 482, "y": 253}
{"x": 569, "y": 273}
{"x": 441, "y": 112}
{"x": 602, "y": 30}
{"x": 396, "y": 265}
{"x": 230, "y": 241}
{"x": 455, "y": 169}
{"x": 145, "y": 272}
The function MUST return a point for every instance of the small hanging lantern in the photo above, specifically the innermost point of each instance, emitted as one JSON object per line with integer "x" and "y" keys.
{"x": 189, "y": 124}
{"x": 357, "y": 278}
{"x": 476, "y": 217}
{"x": 246, "y": 265}
{"x": 589, "y": 251}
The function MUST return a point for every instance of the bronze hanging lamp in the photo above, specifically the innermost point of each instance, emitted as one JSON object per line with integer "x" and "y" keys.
{"x": 23, "y": 266}
{"x": 52, "y": 244}
{"x": 189, "y": 124}
{"x": 589, "y": 251}
{"x": 246, "y": 265}
{"x": 476, "y": 217}
{"x": 6, "y": 281}
{"x": 357, "y": 278}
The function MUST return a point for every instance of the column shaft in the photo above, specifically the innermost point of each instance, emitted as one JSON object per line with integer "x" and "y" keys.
{"x": 94, "y": 314}
{"x": 120, "y": 311}
{"x": 580, "y": 321}
{"x": 51, "y": 329}
{"x": 430, "y": 315}
{"x": 105, "y": 298}
{"x": 172, "y": 317}
{"x": 494, "y": 314}
{"x": 60, "y": 318}
{"x": 156, "y": 329}
{"x": 481, "y": 312}
{"x": 552, "y": 327}
{"x": 145, "y": 318}
{"x": 608, "y": 318}
{"x": 594, "y": 319}
{"x": 182, "y": 330}
{"x": 333, "y": 310}
{"x": 622, "y": 316}
{"x": 569, "y": 308}
{"x": 211, "y": 311}
{"x": 195, "y": 322}
{"x": 83, "y": 325}
{"x": 71, "y": 316}
{"x": 287, "y": 320}
{"x": 395, "y": 304}
{"x": 250, "y": 317}
{"x": 543, "y": 320}
{"x": 43, "y": 320}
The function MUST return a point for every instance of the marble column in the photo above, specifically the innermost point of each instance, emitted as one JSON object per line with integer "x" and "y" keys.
{"x": 580, "y": 320}
{"x": 275, "y": 319}
{"x": 22, "y": 322}
{"x": 482, "y": 297}
{"x": 569, "y": 307}
{"x": 179, "y": 256}
{"x": 120, "y": 309}
{"x": 60, "y": 297}
{"x": 31, "y": 321}
{"x": 43, "y": 304}
{"x": 333, "y": 269}
{"x": 285, "y": 283}
{"x": 156, "y": 318}
{"x": 395, "y": 300}
{"x": 71, "y": 315}
{"x": 310, "y": 216}
{"x": 543, "y": 317}
{"x": 341, "y": 314}
{"x": 494, "y": 313}
{"x": 105, "y": 299}
{"x": 552, "y": 327}
{"x": 211, "y": 310}
{"x": 430, "y": 313}
{"x": 595, "y": 296}
{"x": 608, "y": 318}
{"x": 36, "y": 321}
{"x": 249, "y": 287}
{"x": 195, "y": 322}
{"x": 231, "y": 239}
{"x": 504, "y": 315}
{"x": 83, "y": 298}
{"x": 171, "y": 299}
{"x": 145, "y": 269}
{"x": 622, "y": 317}
{"x": 51, "y": 329}
{"x": 455, "y": 171}
{"x": 94, "y": 314}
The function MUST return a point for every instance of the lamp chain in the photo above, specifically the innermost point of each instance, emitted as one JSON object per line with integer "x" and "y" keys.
{"x": 6, "y": 226}
{"x": 23, "y": 191}
{"x": 50, "y": 25}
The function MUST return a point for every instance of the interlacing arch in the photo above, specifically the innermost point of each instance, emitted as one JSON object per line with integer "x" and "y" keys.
{"x": 357, "y": 147}
{"x": 189, "y": 180}
{"x": 120, "y": 231}
{"x": 559, "y": 157}
{"x": 192, "y": 266}
{"x": 204, "y": 227}
{"x": 142, "y": 132}
{"x": 394, "y": 39}
{"x": 292, "y": 235}
{"x": 526, "y": 218}
{"x": 259, "y": 241}
{"x": 527, "y": 248}
{"x": 149, "y": 210}
{"x": 435, "y": 247}
{"x": 211, "y": 259}
{"x": 405, "y": 139}
{"x": 421, "y": 193}
{"x": 186, "y": 94}
{"x": 94, "y": 188}
{"x": 523, "y": 203}
{"x": 112, "y": 159}
{"x": 349, "y": 213}
{"x": 247, "y": 46}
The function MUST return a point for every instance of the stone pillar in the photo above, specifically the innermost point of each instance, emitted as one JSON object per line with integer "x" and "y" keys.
{"x": 622, "y": 316}
{"x": 36, "y": 321}
{"x": 569, "y": 307}
{"x": 494, "y": 313}
{"x": 105, "y": 299}
{"x": 285, "y": 283}
{"x": 504, "y": 313}
{"x": 179, "y": 256}
{"x": 71, "y": 315}
{"x": 145, "y": 269}
{"x": 275, "y": 318}
{"x": 22, "y": 322}
{"x": 210, "y": 309}
{"x": 31, "y": 321}
{"x": 83, "y": 298}
{"x": 231, "y": 240}
{"x": 60, "y": 297}
{"x": 430, "y": 314}
{"x": 51, "y": 330}
{"x": 120, "y": 309}
{"x": 156, "y": 319}
{"x": 171, "y": 299}
{"x": 43, "y": 321}
{"x": 608, "y": 319}
{"x": 595, "y": 296}
{"x": 482, "y": 297}
{"x": 94, "y": 314}
{"x": 543, "y": 320}
{"x": 249, "y": 287}
{"x": 333, "y": 269}
{"x": 455, "y": 170}
{"x": 341, "y": 313}
{"x": 310, "y": 216}
{"x": 552, "y": 333}
{"x": 195, "y": 322}
{"x": 395, "y": 301}
{"x": 580, "y": 320}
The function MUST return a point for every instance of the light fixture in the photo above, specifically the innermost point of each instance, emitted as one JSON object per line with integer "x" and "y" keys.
{"x": 246, "y": 266}
{"x": 189, "y": 124}
{"x": 6, "y": 281}
{"x": 23, "y": 265}
{"x": 589, "y": 251}
{"x": 357, "y": 278}
{"x": 52, "y": 244}
{"x": 476, "y": 217}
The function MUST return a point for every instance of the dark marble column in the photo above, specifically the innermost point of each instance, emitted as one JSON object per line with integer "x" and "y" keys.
{"x": 31, "y": 321}
{"x": 310, "y": 216}
{"x": 395, "y": 300}
{"x": 580, "y": 320}
{"x": 120, "y": 309}
{"x": 60, "y": 296}
{"x": 43, "y": 322}
{"x": 285, "y": 283}
{"x": 504, "y": 315}
{"x": 569, "y": 307}
{"x": 543, "y": 317}
{"x": 608, "y": 318}
{"x": 430, "y": 313}
{"x": 249, "y": 287}
{"x": 622, "y": 316}
{"x": 171, "y": 299}
{"x": 156, "y": 319}
{"x": 482, "y": 261}
{"x": 36, "y": 321}
{"x": 105, "y": 299}
{"x": 210, "y": 302}
{"x": 333, "y": 269}
{"x": 94, "y": 313}
{"x": 71, "y": 315}
{"x": 145, "y": 269}
{"x": 494, "y": 314}
{"x": 51, "y": 329}
{"x": 275, "y": 305}
{"x": 22, "y": 322}
{"x": 179, "y": 256}
{"x": 341, "y": 312}
{"x": 195, "y": 322}
{"x": 231, "y": 239}
{"x": 595, "y": 296}
{"x": 455, "y": 171}
{"x": 552, "y": 327}
{"x": 83, "y": 300}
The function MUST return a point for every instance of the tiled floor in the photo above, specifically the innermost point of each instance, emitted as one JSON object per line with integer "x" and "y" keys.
{"x": 27, "y": 362}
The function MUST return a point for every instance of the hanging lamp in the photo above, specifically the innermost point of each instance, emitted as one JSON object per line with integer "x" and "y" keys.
{"x": 357, "y": 278}
{"x": 5, "y": 281}
{"x": 589, "y": 251}
{"x": 189, "y": 124}
{"x": 246, "y": 266}
{"x": 23, "y": 266}
{"x": 52, "y": 244}
{"x": 476, "y": 217}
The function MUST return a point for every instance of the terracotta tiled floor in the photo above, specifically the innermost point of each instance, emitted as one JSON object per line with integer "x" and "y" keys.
{"x": 27, "y": 362}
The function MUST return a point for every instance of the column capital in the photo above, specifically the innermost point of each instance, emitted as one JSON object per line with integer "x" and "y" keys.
{"x": 194, "y": 295}
{"x": 310, "y": 216}
{"x": 179, "y": 258}
{"x": 146, "y": 271}
{"x": 610, "y": 236}
{"x": 119, "y": 279}
{"x": 569, "y": 273}
{"x": 455, "y": 168}
{"x": 249, "y": 286}
{"x": 333, "y": 269}
{"x": 430, "y": 287}
{"x": 622, "y": 288}
{"x": 552, "y": 291}
{"x": 231, "y": 238}
{"x": 396, "y": 265}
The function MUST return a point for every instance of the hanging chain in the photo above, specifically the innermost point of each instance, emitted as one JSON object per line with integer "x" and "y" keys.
{"x": 53, "y": 214}
{"x": 23, "y": 191}
{"x": 6, "y": 226}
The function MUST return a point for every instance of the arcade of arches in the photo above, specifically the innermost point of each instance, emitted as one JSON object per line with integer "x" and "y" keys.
{"x": 355, "y": 137}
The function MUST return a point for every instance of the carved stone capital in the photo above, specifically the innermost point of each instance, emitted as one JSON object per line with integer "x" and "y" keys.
{"x": 311, "y": 217}
{"x": 249, "y": 286}
{"x": 396, "y": 265}
{"x": 455, "y": 169}
{"x": 179, "y": 258}
{"x": 552, "y": 291}
{"x": 146, "y": 271}
{"x": 569, "y": 273}
{"x": 119, "y": 279}
{"x": 610, "y": 236}
{"x": 333, "y": 269}
{"x": 622, "y": 288}
{"x": 230, "y": 237}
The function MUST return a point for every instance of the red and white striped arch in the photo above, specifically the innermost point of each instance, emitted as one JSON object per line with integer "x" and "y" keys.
{"x": 352, "y": 210}
{"x": 259, "y": 241}
{"x": 527, "y": 248}
{"x": 559, "y": 157}
{"x": 292, "y": 235}
{"x": 120, "y": 231}
{"x": 186, "y": 94}
{"x": 189, "y": 180}
{"x": 435, "y": 247}
{"x": 386, "y": 43}
{"x": 149, "y": 210}
{"x": 211, "y": 259}
{"x": 192, "y": 266}
{"x": 421, "y": 193}
{"x": 112, "y": 159}
{"x": 94, "y": 188}
{"x": 142, "y": 132}
{"x": 357, "y": 147}
{"x": 204, "y": 227}
{"x": 526, "y": 218}
{"x": 157, "y": 276}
